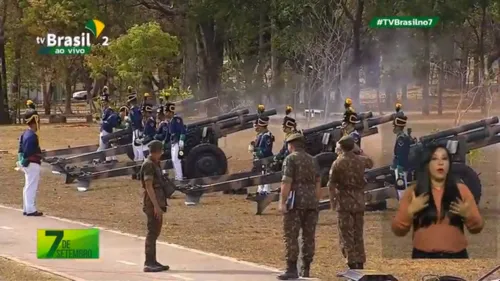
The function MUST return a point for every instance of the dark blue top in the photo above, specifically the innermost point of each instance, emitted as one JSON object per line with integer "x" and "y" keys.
{"x": 149, "y": 130}
{"x": 135, "y": 116}
{"x": 176, "y": 129}
{"x": 106, "y": 113}
{"x": 30, "y": 147}
{"x": 402, "y": 151}
{"x": 264, "y": 145}
{"x": 356, "y": 137}
{"x": 113, "y": 121}
{"x": 162, "y": 131}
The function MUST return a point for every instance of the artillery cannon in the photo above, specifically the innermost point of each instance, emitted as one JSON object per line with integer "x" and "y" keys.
{"x": 331, "y": 134}
{"x": 193, "y": 129}
{"x": 203, "y": 156}
{"x": 381, "y": 181}
{"x": 124, "y": 137}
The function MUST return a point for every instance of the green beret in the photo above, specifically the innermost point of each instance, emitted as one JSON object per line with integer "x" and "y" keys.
{"x": 155, "y": 146}
{"x": 295, "y": 137}
{"x": 347, "y": 143}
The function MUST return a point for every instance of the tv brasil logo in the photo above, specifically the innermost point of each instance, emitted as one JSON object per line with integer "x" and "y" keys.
{"x": 72, "y": 45}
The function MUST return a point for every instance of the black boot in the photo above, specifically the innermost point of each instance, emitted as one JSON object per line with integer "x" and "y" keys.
{"x": 163, "y": 267}
{"x": 291, "y": 271}
{"x": 352, "y": 265}
{"x": 306, "y": 267}
{"x": 360, "y": 265}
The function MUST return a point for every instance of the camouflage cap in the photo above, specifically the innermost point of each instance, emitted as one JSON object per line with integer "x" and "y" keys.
{"x": 347, "y": 143}
{"x": 155, "y": 146}
{"x": 297, "y": 136}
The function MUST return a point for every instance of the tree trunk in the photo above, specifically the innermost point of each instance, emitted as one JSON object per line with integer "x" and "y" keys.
{"x": 404, "y": 94}
{"x": 356, "y": 29}
{"x": 481, "y": 51}
{"x": 15, "y": 86}
{"x": 425, "y": 72}
{"x": 440, "y": 87}
{"x": 48, "y": 90}
{"x": 190, "y": 60}
{"x": 68, "y": 85}
{"x": 211, "y": 50}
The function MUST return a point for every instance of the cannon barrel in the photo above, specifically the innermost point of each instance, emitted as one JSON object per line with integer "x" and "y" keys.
{"x": 334, "y": 124}
{"x": 477, "y": 136}
{"x": 486, "y": 136}
{"x": 459, "y": 129}
{"x": 375, "y": 121}
{"x": 116, "y": 135}
{"x": 246, "y": 119}
{"x": 185, "y": 102}
{"x": 219, "y": 118}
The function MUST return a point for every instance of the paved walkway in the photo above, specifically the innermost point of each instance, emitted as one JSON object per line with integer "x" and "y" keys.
{"x": 122, "y": 255}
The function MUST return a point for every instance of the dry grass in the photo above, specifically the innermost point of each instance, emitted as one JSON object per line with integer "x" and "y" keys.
{"x": 226, "y": 224}
{"x": 13, "y": 271}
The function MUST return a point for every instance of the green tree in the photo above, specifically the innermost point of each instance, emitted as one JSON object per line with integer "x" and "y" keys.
{"x": 135, "y": 56}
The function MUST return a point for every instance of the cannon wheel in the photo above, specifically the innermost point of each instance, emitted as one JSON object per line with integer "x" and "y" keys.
{"x": 470, "y": 178}
{"x": 325, "y": 160}
{"x": 205, "y": 160}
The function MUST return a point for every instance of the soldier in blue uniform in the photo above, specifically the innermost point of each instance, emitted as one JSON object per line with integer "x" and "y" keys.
{"x": 177, "y": 136}
{"x": 149, "y": 124}
{"x": 124, "y": 120}
{"x": 29, "y": 160}
{"x": 107, "y": 112}
{"x": 289, "y": 127}
{"x": 135, "y": 119}
{"x": 262, "y": 147}
{"x": 30, "y": 104}
{"x": 162, "y": 130}
{"x": 349, "y": 123}
{"x": 400, "y": 162}
{"x": 105, "y": 91}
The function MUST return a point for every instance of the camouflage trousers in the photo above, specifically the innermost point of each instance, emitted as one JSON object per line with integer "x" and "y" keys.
{"x": 350, "y": 228}
{"x": 154, "y": 229}
{"x": 293, "y": 221}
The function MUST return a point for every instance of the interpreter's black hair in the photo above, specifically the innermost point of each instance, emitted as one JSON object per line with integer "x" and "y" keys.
{"x": 428, "y": 215}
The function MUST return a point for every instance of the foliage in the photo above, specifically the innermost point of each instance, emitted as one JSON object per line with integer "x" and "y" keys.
{"x": 175, "y": 92}
{"x": 135, "y": 55}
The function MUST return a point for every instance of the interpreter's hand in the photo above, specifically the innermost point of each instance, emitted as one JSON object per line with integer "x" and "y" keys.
{"x": 418, "y": 203}
{"x": 283, "y": 208}
{"x": 158, "y": 212}
{"x": 461, "y": 208}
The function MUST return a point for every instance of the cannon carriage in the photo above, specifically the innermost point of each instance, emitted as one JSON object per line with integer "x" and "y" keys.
{"x": 267, "y": 171}
{"x": 202, "y": 156}
{"x": 124, "y": 137}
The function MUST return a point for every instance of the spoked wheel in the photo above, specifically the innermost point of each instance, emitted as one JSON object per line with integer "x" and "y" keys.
{"x": 204, "y": 160}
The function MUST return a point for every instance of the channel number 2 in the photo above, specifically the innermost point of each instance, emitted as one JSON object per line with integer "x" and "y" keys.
{"x": 105, "y": 41}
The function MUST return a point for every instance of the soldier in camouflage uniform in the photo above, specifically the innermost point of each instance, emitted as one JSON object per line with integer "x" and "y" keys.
{"x": 154, "y": 204}
{"x": 300, "y": 194}
{"x": 346, "y": 186}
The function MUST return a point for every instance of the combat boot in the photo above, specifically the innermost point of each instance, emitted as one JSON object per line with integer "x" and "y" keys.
{"x": 352, "y": 265}
{"x": 291, "y": 271}
{"x": 163, "y": 267}
{"x": 152, "y": 268}
{"x": 306, "y": 267}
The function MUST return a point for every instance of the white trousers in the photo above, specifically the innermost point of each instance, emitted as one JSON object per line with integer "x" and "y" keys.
{"x": 401, "y": 192}
{"x": 138, "y": 149}
{"x": 264, "y": 187}
{"x": 174, "y": 151}
{"x": 31, "y": 180}
{"x": 103, "y": 146}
